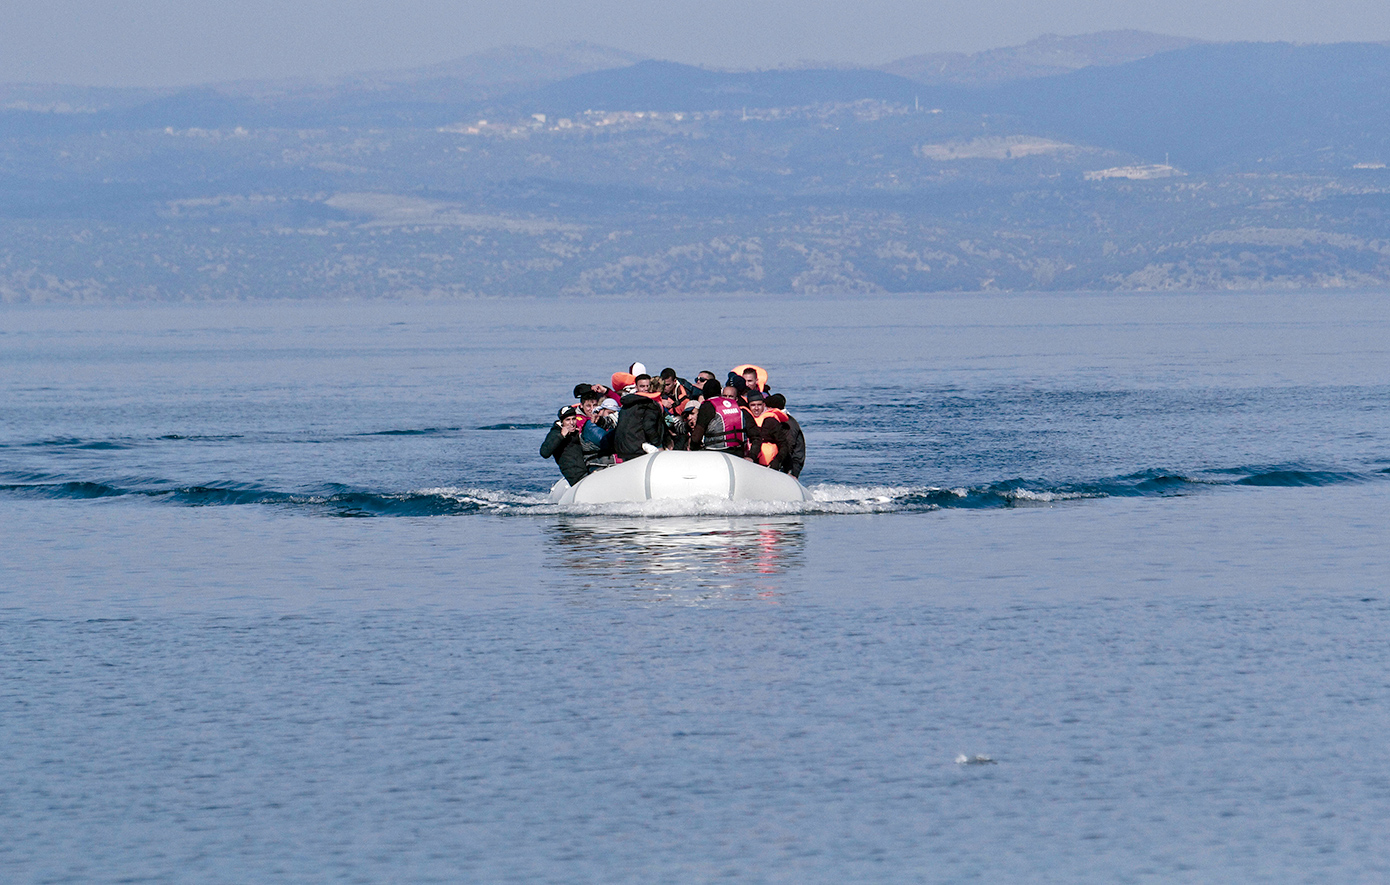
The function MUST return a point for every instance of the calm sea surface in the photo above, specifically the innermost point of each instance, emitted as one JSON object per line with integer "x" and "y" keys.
{"x": 1094, "y": 588}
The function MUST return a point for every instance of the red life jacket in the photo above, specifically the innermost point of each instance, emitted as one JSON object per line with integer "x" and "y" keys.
{"x": 725, "y": 430}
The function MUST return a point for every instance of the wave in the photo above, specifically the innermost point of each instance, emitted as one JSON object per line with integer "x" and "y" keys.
{"x": 340, "y": 501}
{"x": 828, "y": 498}
{"x": 1292, "y": 478}
{"x": 424, "y": 431}
{"x": 104, "y": 445}
{"x": 68, "y": 442}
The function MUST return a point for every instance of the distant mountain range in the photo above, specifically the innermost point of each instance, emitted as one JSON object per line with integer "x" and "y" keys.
{"x": 667, "y": 86}
{"x": 1113, "y": 160}
{"x": 1212, "y": 106}
{"x": 1047, "y": 56}
{"x": 1203, "y": 106}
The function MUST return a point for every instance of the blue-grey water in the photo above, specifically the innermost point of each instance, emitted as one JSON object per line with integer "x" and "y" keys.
{"x": 281, "y": 597}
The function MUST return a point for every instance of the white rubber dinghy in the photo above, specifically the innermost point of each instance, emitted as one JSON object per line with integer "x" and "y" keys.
{"x": 676, "y": 475}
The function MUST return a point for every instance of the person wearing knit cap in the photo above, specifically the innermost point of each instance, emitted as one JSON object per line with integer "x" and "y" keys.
{"x": 767, "y": 433}
{"x": 796, "y": 440}
{"x": 563, "y": 444}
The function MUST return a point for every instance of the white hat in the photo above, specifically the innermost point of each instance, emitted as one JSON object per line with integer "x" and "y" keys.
{"x": 638, "y": 369}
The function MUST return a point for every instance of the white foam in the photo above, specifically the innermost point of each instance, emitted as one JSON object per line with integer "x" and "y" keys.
{"x": 978, "y": 759}
{"x": 829, "y": 498}
{"x": 836, "y": 492}
{"x": 1047, "y": 497}
{"x": 487, "y": 499}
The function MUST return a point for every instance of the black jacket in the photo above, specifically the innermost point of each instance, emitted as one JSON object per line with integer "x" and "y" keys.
{"x": 771, "y": 431}
{"x": 567, "y": 451}
{"x": 640, "y": 420}
{"x": 796, "y": 449}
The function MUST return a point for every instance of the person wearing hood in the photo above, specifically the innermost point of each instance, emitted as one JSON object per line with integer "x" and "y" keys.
{"x": 796, "y": 440}
{"x": 641, "y": 423}
{"x": 563, "y": 444}
{"x": 623, "y": 384}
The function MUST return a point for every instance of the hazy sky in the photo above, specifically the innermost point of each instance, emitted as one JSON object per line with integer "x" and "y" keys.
{"x": 174, "y": 42}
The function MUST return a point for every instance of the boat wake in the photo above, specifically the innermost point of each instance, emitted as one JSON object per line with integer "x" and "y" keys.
{"x": 828, "y": 498}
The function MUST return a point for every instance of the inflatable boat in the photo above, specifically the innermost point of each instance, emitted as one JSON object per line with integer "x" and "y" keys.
{"x": 675, "y": 475}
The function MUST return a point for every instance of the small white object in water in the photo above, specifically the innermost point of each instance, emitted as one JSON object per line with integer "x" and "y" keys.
{"x": 963, "y": 759}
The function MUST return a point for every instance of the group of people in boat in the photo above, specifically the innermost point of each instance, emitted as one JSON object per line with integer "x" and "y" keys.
{"x": 637, "y": 414}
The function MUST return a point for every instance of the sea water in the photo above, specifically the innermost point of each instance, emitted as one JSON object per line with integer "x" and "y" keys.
{"x": 1094, "y": 588}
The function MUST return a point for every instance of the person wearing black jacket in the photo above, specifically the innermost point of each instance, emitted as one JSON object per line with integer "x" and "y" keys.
{"x": 640, "y": 421}
{"x": 764, "y": 427}
{"x": 796, "y": 448}
{"x": 563, "y": 444}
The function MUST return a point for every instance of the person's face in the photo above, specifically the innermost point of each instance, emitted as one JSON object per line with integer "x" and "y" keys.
{"x": 730, "y": 392}
{"x": 668, "y": 386}
{"x": 644, "y": 385}
{"x": 567, "y": 424}
{"x": 690, "y": 417}
{"x": 757, "y": 407}
{"x": 587, "y": 407}
{"x": 751, "y": 377}
{"x": 703, "y": 378}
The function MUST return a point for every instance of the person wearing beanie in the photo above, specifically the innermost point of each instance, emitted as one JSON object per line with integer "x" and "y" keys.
{"x": 563, "y": 444}
{"x": 796, "y": 440}
{"x": 767, "y": 433}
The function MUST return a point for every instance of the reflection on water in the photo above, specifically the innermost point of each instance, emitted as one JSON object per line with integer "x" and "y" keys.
{"x": 678, "y": 560}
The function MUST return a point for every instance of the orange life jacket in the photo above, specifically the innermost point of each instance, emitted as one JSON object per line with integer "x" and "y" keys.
{"x": 768, "y": 450}
{"x": 761, "y": 375}
{"x": 678, "y": 401}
